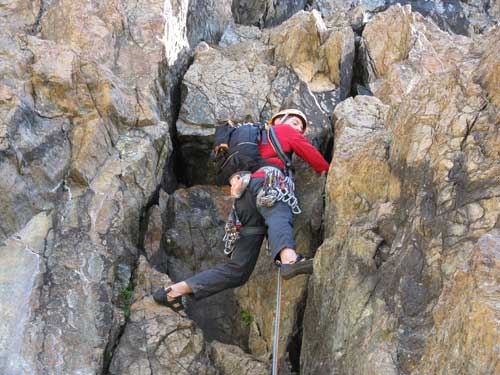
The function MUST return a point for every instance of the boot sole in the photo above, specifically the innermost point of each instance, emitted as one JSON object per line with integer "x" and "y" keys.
{"x": 289, "y": 271}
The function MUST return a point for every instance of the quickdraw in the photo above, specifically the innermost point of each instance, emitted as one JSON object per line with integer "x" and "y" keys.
{"x": 232, "y": 232}
{"x": 277, "y": 187}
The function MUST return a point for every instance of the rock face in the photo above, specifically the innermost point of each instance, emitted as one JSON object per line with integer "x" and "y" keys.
{"x": 156, "y": 340}
{"x": 460, "y": 17}
{"x": 102, "y": 101}
{"x": 232, "y": 360}
{"x": 84, "y": 141}
{"x": 410, "y": 192}
{"x": 468, "y": 307}
{"x": 359, "y": 196}
{"x": 265, "y": 13}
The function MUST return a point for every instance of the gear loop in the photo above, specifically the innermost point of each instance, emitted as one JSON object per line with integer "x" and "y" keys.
{"x": 277, "y": 187}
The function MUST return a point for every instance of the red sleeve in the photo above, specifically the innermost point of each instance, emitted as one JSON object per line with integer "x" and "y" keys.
{"x": 292, "y": 140}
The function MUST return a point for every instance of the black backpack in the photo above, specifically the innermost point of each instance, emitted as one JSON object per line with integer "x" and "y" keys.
{"x": 236, "y": 148}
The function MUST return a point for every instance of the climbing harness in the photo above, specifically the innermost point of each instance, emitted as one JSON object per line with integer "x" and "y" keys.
{"x": 231, "y": 231}
{"x": 234, "y": 229}
{"x": 277, "y": 325}
{"x": 277, "y": 187}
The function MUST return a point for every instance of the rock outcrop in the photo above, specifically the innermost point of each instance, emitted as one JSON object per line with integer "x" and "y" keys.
{"x": 265, "y": 13}
{"x": 411, "y": 190}
{"x": 252, "y": 74}
{"x": 459, "y": 17}
{"x": 107, "y": 114}
{"x": 86, "y": 103}
{"x": 157, "y": 340}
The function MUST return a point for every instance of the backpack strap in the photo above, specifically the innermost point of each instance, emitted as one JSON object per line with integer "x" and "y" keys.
{"x": 279, "y": 150}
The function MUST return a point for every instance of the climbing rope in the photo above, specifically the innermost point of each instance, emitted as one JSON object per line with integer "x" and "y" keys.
{"x": 277, "y": 325}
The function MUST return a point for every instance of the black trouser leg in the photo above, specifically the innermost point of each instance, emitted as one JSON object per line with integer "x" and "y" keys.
{"x": 231, "y": 274}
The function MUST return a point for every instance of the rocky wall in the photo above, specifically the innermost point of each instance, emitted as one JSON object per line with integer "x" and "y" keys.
{"x": 85, "y": 139}
{"x": 411, "y": 193}
{"x": 100, "y": 102}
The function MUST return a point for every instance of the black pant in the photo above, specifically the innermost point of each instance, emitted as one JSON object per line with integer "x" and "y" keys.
{"x": 238, "y": 269}
{"x": 231, "y": 274}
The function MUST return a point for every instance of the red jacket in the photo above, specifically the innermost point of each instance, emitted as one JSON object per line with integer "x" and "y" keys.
{"x": 291, "y": 140}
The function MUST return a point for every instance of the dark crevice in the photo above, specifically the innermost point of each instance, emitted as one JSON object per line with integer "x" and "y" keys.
{"x": 171, "y": 83}
{"x": 35, "y": 28}
{"x": 329, "y": 149}
{"x": 144, "y": 219}
{"x": 110, "y": 348}
{"x": 470, "y": 126}
{"x": 382, "y": 253}
{"x": 487, "y": 6}
{"x": 359, "y": 82}
{"x": 294, "y": 346}
{"x": 113, "y": 342}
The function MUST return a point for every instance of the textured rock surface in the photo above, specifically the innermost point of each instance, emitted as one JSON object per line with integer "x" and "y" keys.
{"x": 457, "y": 16}
{"x": 20, "y": 270}
{"x": 321, "y": 57}
{"x": 465, "y": 338}
{"x": 359, "y": 196}
{"x": 156, "y": 339}
{"x": 232, "y": 360}
{"x": 406, "y": 279}
{"x": 83, "y": 146}
{"x": 407, "y": 201}
{"x": 206, "y": 20}
{"x": 263, "y": 12}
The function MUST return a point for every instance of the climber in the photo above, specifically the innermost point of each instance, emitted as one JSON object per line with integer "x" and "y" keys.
{"x": 257, "y": 207}
{"x": 289, "y": 126}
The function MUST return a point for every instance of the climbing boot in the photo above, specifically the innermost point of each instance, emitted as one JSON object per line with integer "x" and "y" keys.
{"x": 300, "y": 267}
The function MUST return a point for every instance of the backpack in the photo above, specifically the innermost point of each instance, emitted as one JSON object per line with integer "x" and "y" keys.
{"x": 236, "y": 148}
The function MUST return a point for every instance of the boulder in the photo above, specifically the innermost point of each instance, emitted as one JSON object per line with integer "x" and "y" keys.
{"x": 206, "y": 20}
{"x": 219, "y": 89}
{"x": 320, "y": 56}
{"x": 360, "y": 193}
{"x": 157, "y": 340}
{"x": 230, "y": 359}
{"x": 387, "y": 43}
